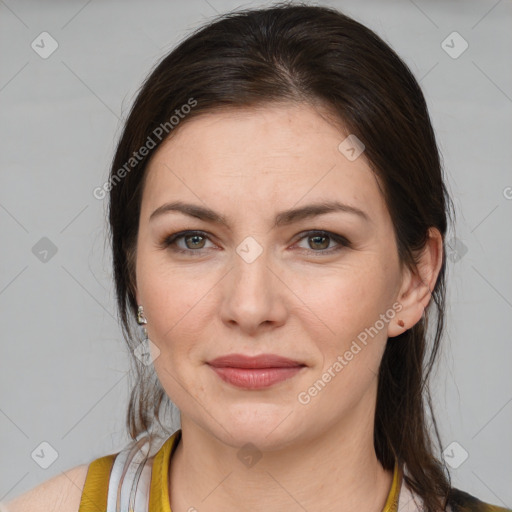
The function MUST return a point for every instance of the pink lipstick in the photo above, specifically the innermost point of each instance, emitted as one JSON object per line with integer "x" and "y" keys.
{"x": 256, "y": 372}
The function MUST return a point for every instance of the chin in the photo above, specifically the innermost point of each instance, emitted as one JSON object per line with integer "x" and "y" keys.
{"x": 262, "y": 425}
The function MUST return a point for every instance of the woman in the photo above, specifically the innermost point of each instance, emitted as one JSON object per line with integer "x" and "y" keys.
{"x": 278, "y": 216}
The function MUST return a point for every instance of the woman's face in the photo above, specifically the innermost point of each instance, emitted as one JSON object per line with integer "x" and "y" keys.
{"x": 266, "y": 281}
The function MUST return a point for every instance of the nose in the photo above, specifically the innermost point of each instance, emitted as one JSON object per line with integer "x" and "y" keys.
{"x": 253, "y": 295}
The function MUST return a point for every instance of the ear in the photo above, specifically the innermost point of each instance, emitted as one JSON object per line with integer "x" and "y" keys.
{"x": 135, "y": 292}
{"x": 134, "y": 289}
{"x": 416, "y": 288}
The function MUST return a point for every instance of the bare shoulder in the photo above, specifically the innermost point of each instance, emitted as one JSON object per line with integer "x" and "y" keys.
{"x": 61, "y": 492}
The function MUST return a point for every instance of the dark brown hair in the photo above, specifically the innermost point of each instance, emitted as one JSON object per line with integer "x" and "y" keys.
{"x": 315, "y": 55}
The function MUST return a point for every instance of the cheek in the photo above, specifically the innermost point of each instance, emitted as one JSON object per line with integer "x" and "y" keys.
{"x": 347, "y": 299}
{"x": 176, "y": 325}
{"x": 351, "y": 349}
{"x": 349, "y": 304}
{"x": 177, "y": 305}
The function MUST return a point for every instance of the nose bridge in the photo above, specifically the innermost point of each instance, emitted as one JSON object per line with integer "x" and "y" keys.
{"x": 252, "y": 295}
{"x": 252, "y": 275}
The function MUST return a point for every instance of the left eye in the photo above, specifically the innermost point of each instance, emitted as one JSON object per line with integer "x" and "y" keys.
{"x": 319, "y": 241}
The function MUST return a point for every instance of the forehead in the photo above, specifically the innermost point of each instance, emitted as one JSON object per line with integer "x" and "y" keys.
{"x": 276, "y": 155}
{"x": 272, "y": 132}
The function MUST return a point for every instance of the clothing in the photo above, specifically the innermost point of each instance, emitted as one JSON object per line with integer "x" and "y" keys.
{"x": 139, "y": 483}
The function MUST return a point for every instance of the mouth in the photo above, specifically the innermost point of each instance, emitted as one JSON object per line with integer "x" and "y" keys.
{"x": 255, "y": 372}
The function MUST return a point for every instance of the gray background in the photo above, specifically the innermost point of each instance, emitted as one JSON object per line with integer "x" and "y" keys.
{"x": 63, "y": 365}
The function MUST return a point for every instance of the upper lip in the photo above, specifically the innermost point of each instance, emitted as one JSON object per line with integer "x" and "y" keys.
{"x": 261, "y": 361}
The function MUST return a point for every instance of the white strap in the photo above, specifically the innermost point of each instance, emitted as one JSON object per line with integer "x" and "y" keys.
{"x": 143, "y": 487}
{"x": 130, "y": 483}
{"x": 130, "y": 479}
{"x": 115, "y": 478}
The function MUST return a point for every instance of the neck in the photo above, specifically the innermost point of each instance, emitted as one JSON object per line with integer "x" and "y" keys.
{"x": 332, "y": 470}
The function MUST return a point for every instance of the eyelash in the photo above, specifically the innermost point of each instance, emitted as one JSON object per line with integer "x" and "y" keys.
{"x": 169, "y": 242}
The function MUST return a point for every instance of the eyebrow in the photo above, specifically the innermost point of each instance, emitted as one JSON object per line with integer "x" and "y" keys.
{"x": 283, "y": 218}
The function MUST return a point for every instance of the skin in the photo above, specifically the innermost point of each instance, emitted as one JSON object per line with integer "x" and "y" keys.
{"x": 299, "y": 299}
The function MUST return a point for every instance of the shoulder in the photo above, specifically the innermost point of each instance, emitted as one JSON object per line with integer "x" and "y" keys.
{"x": 461, "y": 501}
{"x": 62, "y": 492}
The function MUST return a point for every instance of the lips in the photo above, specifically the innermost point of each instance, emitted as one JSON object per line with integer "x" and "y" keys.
{"x": 252, "y": 373}
{"x": 261, "y": 361}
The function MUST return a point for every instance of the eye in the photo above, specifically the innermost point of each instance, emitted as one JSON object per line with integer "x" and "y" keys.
{"x": 193, "y": 241}
{"x": 319, "y": 242}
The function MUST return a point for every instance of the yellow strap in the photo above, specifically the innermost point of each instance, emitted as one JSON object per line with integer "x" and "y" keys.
{"x": 392, "y": 501}
{"x": 95, "y": 491}
{"x": 159, "y": 492}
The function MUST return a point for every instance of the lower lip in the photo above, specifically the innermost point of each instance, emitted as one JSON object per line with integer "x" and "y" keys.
{"x": 255, "y": 378}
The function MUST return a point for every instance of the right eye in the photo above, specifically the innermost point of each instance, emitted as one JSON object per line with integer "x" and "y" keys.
{"x": 194, "y": 241}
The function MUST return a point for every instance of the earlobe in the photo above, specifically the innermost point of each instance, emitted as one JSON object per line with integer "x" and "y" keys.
{"x": 399, "y": 326}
